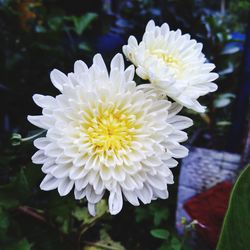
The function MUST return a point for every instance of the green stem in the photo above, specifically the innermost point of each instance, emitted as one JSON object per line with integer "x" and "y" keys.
{"x": 184, "y": 238}
{"x": 101, "y": 245}
{"x": 33, "y": 136}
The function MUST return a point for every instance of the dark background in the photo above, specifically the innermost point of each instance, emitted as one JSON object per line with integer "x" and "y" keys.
{"x": 38, "y": 36}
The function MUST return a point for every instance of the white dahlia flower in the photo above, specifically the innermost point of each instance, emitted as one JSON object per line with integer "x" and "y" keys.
{"x": 173, "y": 63}
{"x": 104, "y": 133}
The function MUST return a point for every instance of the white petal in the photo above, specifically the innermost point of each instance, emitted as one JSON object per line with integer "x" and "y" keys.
{"x": 115, "y": 201}
{"x": 171, "y": 163}
{"x": 212, "y": 77}
{"x": 81, "y": 183}
{"x": 157, "y": 182}
{"x": 65, "y": 186}
{"x": 145, "y": 194}
{"x": 48, "y": 167}
{"x": 98, "y": 61}
{"x": 44, "y": 101}
{"x": 118, "y": 174}
{"x": 80, "y": 67}
{"x": 141, "y": 72}
{"x": 150, "y": 26}
{"x": 77, "y": 173}
{"x": 129, "y": 184}
{"x": 131, "y": 197}
{"x": 105, "y": 173}
{"x": 58, "y": 79}
{"x": 174, "y": 109}
{"x": 129, "y": 73}
{"x": 180, "y": 122}
{"x": 178, "y": 136}
{"x": 197, "y": 107}
{"x": 132, "y": 41}
{"x": 91, "y": 209}
{"x": 152, "y": 161}
{"x": 61, "y": 171}
{"x": 38, "y": 121}
{"x": 63, "y": 159}
{"x": 177, "y": 151}
{"x": 98, "y": 186}
{"x": 170, "y": 179}
{"x": 79, "y": 194}
{"x": 164, "y": 29}
{"x": 117, "y": 63}
{"x": 91, "y": 195}
{"x": 39, "y": 157}
{"x": 212, "y": 87}
{"x": 53, "y": 150}
{"x": 49, "y": 183}
{"x": 163, "y": 194}
{"x": 41, "y": 142}
{"x": 81, "y": 160}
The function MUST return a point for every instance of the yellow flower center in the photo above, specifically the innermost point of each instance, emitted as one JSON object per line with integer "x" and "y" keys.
{"x": 111, "y": 130}
{"x": 174, "y": 64}
{"x": 167, "y": 58}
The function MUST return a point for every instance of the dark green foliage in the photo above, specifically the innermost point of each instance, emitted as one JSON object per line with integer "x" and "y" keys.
{"x": 160, "y": 233}
{"x": 37, "y": 36}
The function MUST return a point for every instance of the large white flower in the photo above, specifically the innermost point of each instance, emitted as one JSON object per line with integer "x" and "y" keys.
{"x": 173, "y": 63}
{"x": 105, "y": 133}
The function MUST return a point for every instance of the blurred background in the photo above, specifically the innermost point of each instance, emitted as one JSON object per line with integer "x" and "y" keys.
{"x": 38, "y": 36}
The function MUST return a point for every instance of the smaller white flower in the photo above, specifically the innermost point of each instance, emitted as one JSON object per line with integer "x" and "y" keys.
{"x": 173, "y": 63}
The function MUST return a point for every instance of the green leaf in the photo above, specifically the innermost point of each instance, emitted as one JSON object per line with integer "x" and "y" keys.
{"x": 173, "y": 244}
{"x": 223, "y": 100}
{"x": 101, "y": 208}
{"x": 160, "y": 233}
{"x": 7, "y": 201}
{"x": 82, "y": 22}
{"x": 55, "y": 23}
{"x": 105, "y": 242}
{"x": 22, "y": 184}
{"x": 4, "y": 223}
{"x": 82, "y": 214}
{"x": 84, "y": 46}
{"x": 14, "y": 192}
{"x": 8, "y": 197}
{"x": 141, "y": 214}
{"x": 21, "y": 245}
{"x": 223, "y": 123}
{"x": 160, "y": 216}
{"x": 230, "y": 49}
{"x": 236, "y": 225}
{"x": 221, "y": 103}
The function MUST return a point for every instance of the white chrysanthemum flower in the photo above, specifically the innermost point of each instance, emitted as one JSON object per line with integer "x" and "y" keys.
{"x": 105, "y": 133}
{"x": 173, "y": 63}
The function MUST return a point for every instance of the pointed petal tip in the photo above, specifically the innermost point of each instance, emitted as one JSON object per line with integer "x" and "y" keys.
{"x": 150, "y": 25}
{"x": 115, "y": 201}
{"x": 80, "y": 67}
{"x": 117, "y": 62}
{"x": 58, "y": 79}
{"x": 91, "y": 209}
